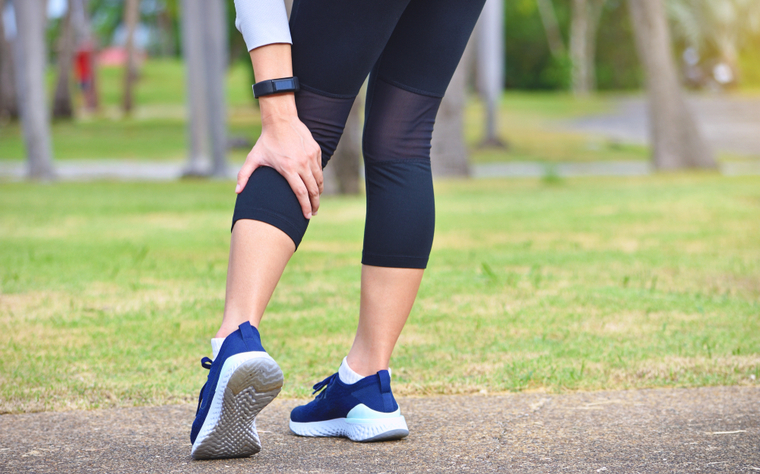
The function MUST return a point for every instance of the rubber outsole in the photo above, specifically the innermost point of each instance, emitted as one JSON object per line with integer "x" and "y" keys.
{"x": 385, "y": 429}
{"x": 229, "y": 430}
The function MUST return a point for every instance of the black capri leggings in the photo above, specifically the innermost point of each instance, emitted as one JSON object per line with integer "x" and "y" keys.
{"x": 410, "y": 49}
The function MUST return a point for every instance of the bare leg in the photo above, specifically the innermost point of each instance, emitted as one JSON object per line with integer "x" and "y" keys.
{"x": 258, "y": 255}
{"x": 387, "y": 298}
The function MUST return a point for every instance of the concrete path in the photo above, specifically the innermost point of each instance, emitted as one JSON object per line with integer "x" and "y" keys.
{"x": 679, "y": 430}
{"x": 730, "y": 124}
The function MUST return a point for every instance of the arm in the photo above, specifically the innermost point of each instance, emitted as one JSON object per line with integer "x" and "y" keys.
{"x": 285, "y": 143}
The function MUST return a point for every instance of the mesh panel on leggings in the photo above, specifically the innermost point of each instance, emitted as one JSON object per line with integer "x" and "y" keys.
{"x": 325, "y": 117}
{"x": 399, "y": 123}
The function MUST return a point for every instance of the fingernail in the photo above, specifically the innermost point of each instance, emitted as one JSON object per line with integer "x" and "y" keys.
{"x": 237, "y": 188}
{"x": 308, "y": 216}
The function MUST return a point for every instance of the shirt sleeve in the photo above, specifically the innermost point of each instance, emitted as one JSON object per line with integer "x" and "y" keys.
{"x": 262, "y": 22}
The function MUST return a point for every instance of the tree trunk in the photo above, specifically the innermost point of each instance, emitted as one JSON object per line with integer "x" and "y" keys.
{"x": 198, "y": 163}
{"x": 449, "y": 155}
{"x": 595, "y": 9}
{"x": 585, "y": 20}
{"x": 215, "y": 65}
{"x": 204, "y": 46}
{"x": 579, "y": 49}
{"x": 343, "y": 169}
{"x": 30, "y": 56}
{"x": 62, "y": 105}
{"x": 676, "y": 140}
{"x": 551, "y": 27}
{"x": 8, "y": 104}
{"x": 131, "y": 18}
{"x": 490, "y": 66}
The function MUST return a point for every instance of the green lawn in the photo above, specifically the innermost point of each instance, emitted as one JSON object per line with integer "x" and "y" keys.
{"x": 109, "y": 292}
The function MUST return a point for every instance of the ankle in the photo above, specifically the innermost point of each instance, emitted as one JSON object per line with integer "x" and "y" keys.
{"x": 365, "y": 366}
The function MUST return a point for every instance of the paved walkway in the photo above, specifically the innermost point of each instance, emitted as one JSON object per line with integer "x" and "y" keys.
{"x": 679, "y": 430}
{"x": 730, "y": 124}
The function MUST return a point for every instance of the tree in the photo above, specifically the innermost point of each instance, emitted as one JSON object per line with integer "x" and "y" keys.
{"x": 490, "y": 65}
{"x": 676, "y": 140}
{"x": 62, "y": 106}
{"x": 583, "y": 29}
{"x": 344, "y": 164}
{"x": 8, "y": 104}
{"x": 29, "y": 60}
{"x": 131, "y": 18}
{"x": 448, "y": 154}
{"x": 204, "y": 48}
{"x": 551, "y": 27}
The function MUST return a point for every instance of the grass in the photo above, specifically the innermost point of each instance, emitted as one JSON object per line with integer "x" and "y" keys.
{"x": 109, "y": 292}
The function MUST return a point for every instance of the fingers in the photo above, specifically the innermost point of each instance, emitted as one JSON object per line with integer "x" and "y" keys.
{"x": 301, "y": 191}
{"x": 316, "y": 171}
{"x": 245, "y": 173}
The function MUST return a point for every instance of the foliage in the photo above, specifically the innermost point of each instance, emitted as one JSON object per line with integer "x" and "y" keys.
{"x": 617, "y": 64}
{"x": 109, "y": 292}
{"x": 719, "y": 30}
{"x": 530, "y": 64}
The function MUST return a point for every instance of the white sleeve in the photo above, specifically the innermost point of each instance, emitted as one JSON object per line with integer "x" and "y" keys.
{"x": 262, "y": 22}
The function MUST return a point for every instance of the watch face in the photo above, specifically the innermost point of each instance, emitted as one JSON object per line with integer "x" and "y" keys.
{"x": 284, "y": 84}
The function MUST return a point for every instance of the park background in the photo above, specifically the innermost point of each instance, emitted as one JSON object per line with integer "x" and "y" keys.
{"x": 572, "y": 257}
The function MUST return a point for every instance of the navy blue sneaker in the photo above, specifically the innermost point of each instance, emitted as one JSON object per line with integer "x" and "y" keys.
{"x": 363, "y": 411}
{"x": 242, "y": 380}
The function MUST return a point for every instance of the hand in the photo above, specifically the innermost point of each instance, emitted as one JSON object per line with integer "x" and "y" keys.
{"x": 287, "y": 146}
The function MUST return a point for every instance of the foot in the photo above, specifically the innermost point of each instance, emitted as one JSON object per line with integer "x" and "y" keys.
{"x": 363, "y": 411}
{"x": 243, "y": 379}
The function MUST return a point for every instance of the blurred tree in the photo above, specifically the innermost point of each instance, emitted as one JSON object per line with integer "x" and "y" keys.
{"x": 719, "y": 27}
{"x": 530, "y": 63}
{"x": 131, "y": 18}
{"x": 617, "y": 63}
{"x": 204, "y": 46}
{"x": 490, "y": 66}
{"x": 448, "y": 154}
{"x": 676, "y": 140}
{"x": 551, "y": 26}
{"x": 8, "y": 104}
{"x": 342, "y": 175}
{"x": 62, "y": 103}
{"x": 29, "y": 60}
{"x": 583, "y": 33}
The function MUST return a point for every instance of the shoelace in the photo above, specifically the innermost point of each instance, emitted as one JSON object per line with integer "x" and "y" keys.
{"x": 319, "y": 386}
{"x": 206, "y": 364}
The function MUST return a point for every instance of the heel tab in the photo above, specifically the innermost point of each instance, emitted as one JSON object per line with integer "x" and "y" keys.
{"x": 251, "y": 337}
{"x": 385, "y": 381}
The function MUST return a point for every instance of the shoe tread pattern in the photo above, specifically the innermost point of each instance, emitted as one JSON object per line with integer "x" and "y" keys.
{"x": 251, "y": 387}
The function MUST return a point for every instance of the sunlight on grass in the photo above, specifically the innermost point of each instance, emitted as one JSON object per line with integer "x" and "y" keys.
{"x": 109, "y": 292}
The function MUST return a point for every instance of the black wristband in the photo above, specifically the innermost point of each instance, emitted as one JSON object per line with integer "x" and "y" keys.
{"x": 275, "y": 86}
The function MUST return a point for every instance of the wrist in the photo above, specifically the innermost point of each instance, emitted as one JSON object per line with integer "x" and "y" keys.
{"x": 277, "y": 107}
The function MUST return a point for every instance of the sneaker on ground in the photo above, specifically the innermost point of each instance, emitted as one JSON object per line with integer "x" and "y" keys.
{"x": 363, "y": 411}
{"x": 242, "y": 380}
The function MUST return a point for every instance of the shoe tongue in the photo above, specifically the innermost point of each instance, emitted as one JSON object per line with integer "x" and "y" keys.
{"x": 385, "y": 381}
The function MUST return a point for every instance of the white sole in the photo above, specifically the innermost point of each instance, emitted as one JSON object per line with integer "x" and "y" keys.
{"x": 248, "y": 382}
{"x": 384, "y": 429}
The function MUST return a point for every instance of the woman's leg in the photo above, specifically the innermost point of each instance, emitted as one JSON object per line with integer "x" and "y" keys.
{"x": 258, "y": 255}
{"x": 403, "y": 97}
{"x": 331, "y": 61}
{"x": 386, "y": 299}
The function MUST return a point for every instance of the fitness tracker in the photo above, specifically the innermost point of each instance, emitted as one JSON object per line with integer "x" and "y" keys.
{"x": 275, "y": 86}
